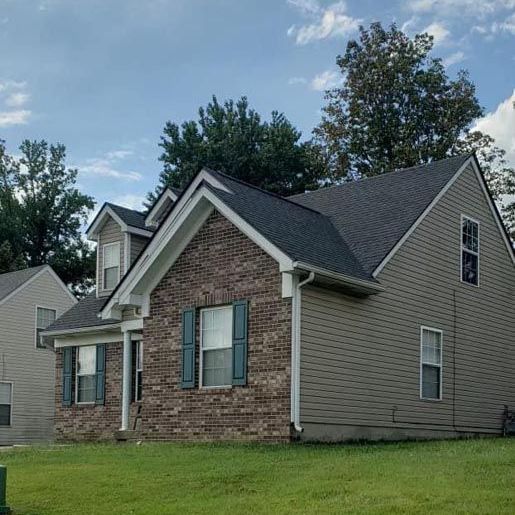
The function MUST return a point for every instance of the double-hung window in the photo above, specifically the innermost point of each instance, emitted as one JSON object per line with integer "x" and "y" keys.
{"x": 139, "y": 370}
{"x": 44, "y": 317}
{"x": 216, "y": 346}
{"x": 111, "y": 253}
{"x": 86, "y": 373}
{"x": 6, "y": 394}
{"x": 431, "y": 363}
{"x": 469, "y": 251}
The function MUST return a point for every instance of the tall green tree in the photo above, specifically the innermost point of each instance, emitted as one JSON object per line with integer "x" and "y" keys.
{"x": 232, "y": 138}
{"x": 396, "y": 107}
{"x": 39, "y": 198}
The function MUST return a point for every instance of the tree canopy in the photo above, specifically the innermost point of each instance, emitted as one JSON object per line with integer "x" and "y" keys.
{"x": 396, "y": 107}
{"x": 42, "y": 212}
{"x": 232, "y": 138}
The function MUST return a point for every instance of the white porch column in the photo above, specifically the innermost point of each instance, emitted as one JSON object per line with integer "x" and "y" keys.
{"x": 126, "y": 379}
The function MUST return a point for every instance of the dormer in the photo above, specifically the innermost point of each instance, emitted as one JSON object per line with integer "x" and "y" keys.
{"x": 161, "y": 207}
{"x": 120, "y": 234}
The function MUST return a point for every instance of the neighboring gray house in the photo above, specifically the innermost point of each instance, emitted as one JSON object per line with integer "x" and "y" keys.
{"x": 382, "y": 308}
{"x": 30, "y": 300}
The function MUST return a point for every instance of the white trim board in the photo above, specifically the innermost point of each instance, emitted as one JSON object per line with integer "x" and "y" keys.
{"x": 157, "y": 209}
{"x": 471, "y": 161}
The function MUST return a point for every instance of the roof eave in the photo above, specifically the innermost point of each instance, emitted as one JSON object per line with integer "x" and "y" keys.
{"x": 362, "y": 286}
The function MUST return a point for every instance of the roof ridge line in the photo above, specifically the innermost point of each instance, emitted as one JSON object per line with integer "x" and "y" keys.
{"x": 123, "y": 207}
{"x": 271, "y": 193}
{"x": 384, "y": 174}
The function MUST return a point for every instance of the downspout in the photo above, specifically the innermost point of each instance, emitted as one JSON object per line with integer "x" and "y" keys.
{"x": 295, "y": 350}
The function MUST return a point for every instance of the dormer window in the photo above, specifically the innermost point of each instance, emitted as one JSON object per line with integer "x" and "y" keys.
{"x": 111, "y": 253}
{"x": 469, "y": 251}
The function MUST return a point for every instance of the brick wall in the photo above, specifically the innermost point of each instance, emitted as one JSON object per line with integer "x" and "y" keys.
{"x": 91, "y": 422}
{"x": 218, "y": 266}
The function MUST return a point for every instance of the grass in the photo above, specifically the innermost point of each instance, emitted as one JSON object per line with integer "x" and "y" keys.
{"x": 474, "y": 476}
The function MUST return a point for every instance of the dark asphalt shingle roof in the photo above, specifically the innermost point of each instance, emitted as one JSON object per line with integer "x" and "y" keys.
{"x": 348, "y": 228}
{"x": 11, "y": 281}
{"x": 130, "y": 216}
{"x": 83, "y": 314}
{"x": 372, "y": 215}
{"x": 301, "y": 233}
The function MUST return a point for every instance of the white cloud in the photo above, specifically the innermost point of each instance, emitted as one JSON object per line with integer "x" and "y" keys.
{"x": 476, "y": 8}
{"x": 328, "y": 22}
{"x": 326, "y": 80}
{"x": 19, "y": 117}
{"x": 108, "y": 165}
{"x": 500, "y": 124}
{"x": 130, "y": 201}
{"x": 508, "y": 25}
{"x": 455, "y": 58}
{"x": 306, "y": 6}
{"x": 17, "y": 99}
{"x": 297, "y": 80}
{"x": 119, "y": 154}
{"x": 439, "y": 32}
{"x": 13, "y": 96}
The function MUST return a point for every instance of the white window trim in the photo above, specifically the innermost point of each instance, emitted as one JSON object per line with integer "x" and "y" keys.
{"x": 82, "y": 403}
{"x": 463, "y": 249}
{"x": 201, "y": 359}
{"x": 433, "y": 329}
{"x": 12, "y": 403}
{"x": 38, "y": 306}
{"x": 139, "y": 345}
{"x": 115, "y": 244}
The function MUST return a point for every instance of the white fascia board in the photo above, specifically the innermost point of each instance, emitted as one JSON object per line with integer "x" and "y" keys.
{"x": 91, "y": 329}
{"x": 91, "y": 339}
{"x": 140, "y": 232}
{"x": 156, "y": 211}
{"x": 367, "y": 286}
{"x": 421, "y": 218}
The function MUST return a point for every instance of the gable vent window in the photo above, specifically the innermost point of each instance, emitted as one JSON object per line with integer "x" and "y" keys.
{"x": 44, "y": 318}
{"x": 86, "y": 373}
{"x": 216, "y": 346}
{"x": 431, "y": 363}
{"x": 6, "y": 392}
{"x": 469, "y": 251}
{"x": 111, "y": 252}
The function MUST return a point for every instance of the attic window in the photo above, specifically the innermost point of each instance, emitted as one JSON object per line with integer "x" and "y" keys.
{"x": 469, "y": 251}
{"x": 111, "y": 252}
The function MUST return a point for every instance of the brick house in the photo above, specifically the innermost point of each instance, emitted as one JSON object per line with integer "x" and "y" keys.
{"x": 379, "y": 309}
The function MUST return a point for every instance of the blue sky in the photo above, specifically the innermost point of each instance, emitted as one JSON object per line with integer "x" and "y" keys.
{"x": 103, "y": 76}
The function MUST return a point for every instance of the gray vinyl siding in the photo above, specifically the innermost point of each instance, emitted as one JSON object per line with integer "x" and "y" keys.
{"x": 360, "y": 358}
{"x": 137, "y": 244}
{"x": 111, "y": 233}
{"x": 31, "y": 370}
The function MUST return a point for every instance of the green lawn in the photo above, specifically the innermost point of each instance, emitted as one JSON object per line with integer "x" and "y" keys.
{"x": 475, "y": 476}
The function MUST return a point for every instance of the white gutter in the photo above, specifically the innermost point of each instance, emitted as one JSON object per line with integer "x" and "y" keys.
{"x": 295, "y": 350}
{"x": 368, "y": 286}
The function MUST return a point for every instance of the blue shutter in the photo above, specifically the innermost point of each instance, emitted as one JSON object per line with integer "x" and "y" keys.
{"x": 100, "y": 378}
{"x": 67, "y": 375}
{"x": 239, "y": 342}
{"x": 188, "y": 349}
